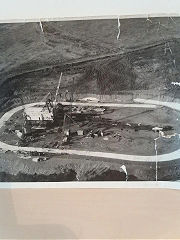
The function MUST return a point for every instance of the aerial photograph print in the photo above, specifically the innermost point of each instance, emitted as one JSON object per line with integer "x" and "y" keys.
{"x": 90, "y": 100}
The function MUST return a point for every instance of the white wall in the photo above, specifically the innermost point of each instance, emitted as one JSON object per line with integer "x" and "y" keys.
{"x": 34, "y": 9}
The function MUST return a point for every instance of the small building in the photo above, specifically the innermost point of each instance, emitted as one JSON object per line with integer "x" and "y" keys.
{"x": 36, "y": 117}
{"x": 80, "y": 132}
{"x": 38, "y": 113}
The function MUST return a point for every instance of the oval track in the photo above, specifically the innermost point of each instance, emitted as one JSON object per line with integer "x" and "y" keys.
{"x": 139, "y": 103}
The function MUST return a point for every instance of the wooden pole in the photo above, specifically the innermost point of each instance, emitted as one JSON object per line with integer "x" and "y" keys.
{"x": 57, "y": 90}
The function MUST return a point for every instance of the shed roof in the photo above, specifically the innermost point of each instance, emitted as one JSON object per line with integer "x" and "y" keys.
{"x": 38, "y": 114}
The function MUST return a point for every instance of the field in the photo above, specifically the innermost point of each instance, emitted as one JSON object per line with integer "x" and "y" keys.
{"x": 126, "y": 131}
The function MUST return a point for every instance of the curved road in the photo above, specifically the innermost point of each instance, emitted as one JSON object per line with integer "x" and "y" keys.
{"x": 140, "y": 103}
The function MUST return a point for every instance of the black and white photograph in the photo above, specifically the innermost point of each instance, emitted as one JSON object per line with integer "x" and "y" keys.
{"x": 90, "y": 100}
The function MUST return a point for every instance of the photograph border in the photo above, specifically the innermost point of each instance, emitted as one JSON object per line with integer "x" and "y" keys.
{"x": 91, "y": 184}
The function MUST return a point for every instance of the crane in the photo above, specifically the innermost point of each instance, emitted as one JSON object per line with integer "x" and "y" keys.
{"x": 45, "y": 97}
{"x": 57, "y": 90}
